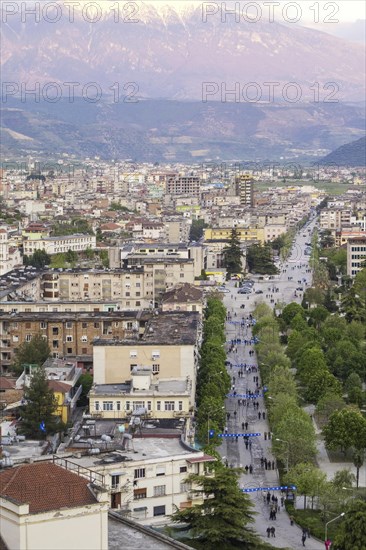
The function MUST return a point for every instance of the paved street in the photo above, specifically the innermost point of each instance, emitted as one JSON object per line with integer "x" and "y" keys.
{"x": 234, "y": 451}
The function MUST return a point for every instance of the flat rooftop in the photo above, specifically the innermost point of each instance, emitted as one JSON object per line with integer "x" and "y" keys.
{"x": 167, "y": 328}
{"x": 162, "y": 386}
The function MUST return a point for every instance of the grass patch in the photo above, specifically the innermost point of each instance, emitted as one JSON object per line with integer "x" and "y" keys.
{"x": 313, "y": 520}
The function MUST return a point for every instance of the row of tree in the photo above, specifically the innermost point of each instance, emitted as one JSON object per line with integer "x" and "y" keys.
{"x": 213, "y": 381}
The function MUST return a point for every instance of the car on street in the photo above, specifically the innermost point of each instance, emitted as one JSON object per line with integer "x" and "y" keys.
{"x": 259, "y": 291}
{"x": 245, "y": 290}
{"x": 223, "y": 289}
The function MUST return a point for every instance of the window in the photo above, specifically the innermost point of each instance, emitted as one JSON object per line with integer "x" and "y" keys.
{"x": 156, "y": 368}
{"x": 96, "y": 405}
{"x": 159, "y": 511}
{"x": 133, "y": 353}
{"x": 159, "y": 491}
{"x": 158, "y": 405}
{"x": 128, "y": 405}
{"x": 69, "y": 324}
{"x": 118, "y": 405}
{"x": 138, "y": 303}
{"x": 182, "y": 469}
{"x": 115, "y": 481}
{"x": 55, "y": 343}
{"x": 180, "y": 405}
{"x": 185, "y": 487}
{"x": 139, "y": 493}
{"x": 43, "y": 325}
{"x": 84, "y": 338}
{"x": 139, "y": 472}
{"x": 84, "y": 325}
{"x": 107, "y": 405}
{"x": 96, "y": 325}
{"x": 160, "y": 471}
{"x": 149, "y": 405}
{"x": 68, "y": 338}
{"x": 169, "y": 405}
{"x": 54, "y": 331}
{"x": 69, "y": 351}
{"x": 28, "y": 337}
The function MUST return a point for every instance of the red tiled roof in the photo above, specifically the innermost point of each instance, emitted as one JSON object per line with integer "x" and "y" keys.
{"x": 60, "y": 387}
{"x": 6, "y": 383}
{"x": 45, "y": 486}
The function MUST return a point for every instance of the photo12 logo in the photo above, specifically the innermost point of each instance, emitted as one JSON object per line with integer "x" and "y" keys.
{"x": 69, "y": 11}
{"x": 269, "y": 92}
{"x": 271, "y": 12}
{"x": 53, "y": 92}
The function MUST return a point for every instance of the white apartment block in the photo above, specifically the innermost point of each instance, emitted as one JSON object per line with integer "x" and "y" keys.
{"x": 131, "y": 477}
{"x": 356, "y": 255}
{"x": 57, "y": 245}
{"x": 10, "y": 256}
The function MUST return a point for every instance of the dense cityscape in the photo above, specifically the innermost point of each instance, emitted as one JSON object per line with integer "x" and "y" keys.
{"x": 182, "y": 275}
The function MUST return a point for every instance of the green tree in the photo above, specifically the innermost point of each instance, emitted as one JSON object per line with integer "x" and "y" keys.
{"x": 321, "y": 383}
{"x": 290, "y": 311}
{"x": 223, "y": 517}
{"x": 281, "y": 380}
{"x": 40, "y": 407}
{"x": 318, "y": 315}
{"x": 259, "y": 259}
{"x": 233, "y": 254}
{"x": 327, "y": 405}
{"x": 308, "y": 479}
{"x": 34, "y": 352}
{"x": 71, "y": 256}
{"x": 351, "y": 534}
{"x": 346, "y": 429}
{"x": 280, "y": 406}
{"x": 298, "y": 323}
{"x": 86, "y": 381}
{"x": 343, "y": 478}
{"x": 196, "y": 231}
{"x": 358, "y": 459}
{"x": 296, "y": 428}
{"x": 39, "y": 259}
{"x": 311, "y": 361}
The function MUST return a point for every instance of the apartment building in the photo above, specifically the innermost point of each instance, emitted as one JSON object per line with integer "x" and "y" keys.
{"x": 334, "y": 218}
{"x": 43, "y": 505}
{"x": 10, "y": 256}
{"x": 69, "y": 334}
{"x": 245, "y": 234}
{"x": 356, "y": 255}
{"x": 183, "y": 185}
{"x": 244, "y": 188}
{"x": 144, "y": 391}
{"x": 131, "y": 476}
{"x": 168, "y": 346}
{"x": 56, "y": 245}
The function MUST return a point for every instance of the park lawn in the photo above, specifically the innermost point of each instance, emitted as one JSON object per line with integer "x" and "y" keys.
{"x": 313, "y": 520}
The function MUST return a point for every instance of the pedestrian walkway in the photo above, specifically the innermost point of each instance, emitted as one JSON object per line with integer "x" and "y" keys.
{"x": 237, "y": 454}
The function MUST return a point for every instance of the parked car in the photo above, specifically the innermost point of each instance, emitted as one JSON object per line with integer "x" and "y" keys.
{"x": 223, "y": 289}
{"x": 259, "y": 291}
{"x": 245, "y": 290}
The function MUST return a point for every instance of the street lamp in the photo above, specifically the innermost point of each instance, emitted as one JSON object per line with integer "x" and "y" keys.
{"x": 288, "y": 451}
{"x": 326, "y": 525}
{"x": 208, "y": 424}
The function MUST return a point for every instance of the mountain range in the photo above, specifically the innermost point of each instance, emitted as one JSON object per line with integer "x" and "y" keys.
{"x": 150, "y": 76}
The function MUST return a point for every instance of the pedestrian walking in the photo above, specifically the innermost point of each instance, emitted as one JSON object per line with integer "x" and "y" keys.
{"x": 303, "y": 539}
{"x": 250, "y": 444}
{"x": 263, "y": 415}
{"x": 250, "y": 469}
{"x": 268, "y": 497}
{"x": 273, "y": 464}
{"x": 236, "y": 438}
{"x": 273, "y": 531}
{"x": 259, "y": 415}
{"x": 246, "y": 425}
{"x": 268, "y": 532}
{"x": 246, "y": 468}
{"x": 265, "y": 436}
{"x": 243, "y": 425}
